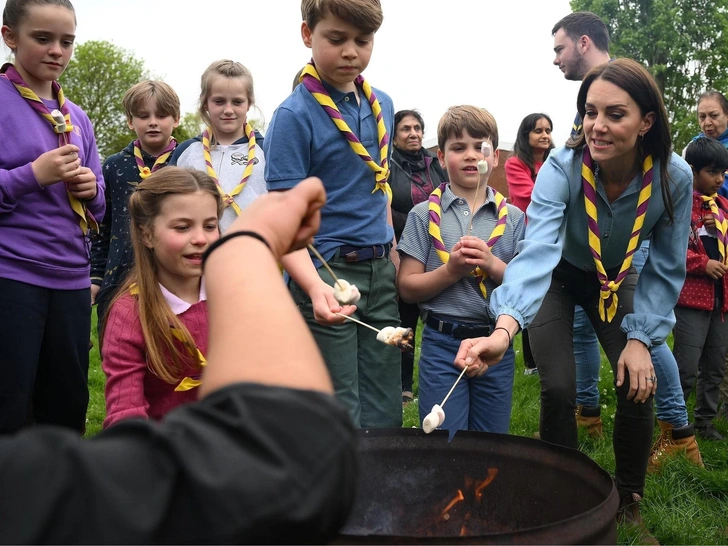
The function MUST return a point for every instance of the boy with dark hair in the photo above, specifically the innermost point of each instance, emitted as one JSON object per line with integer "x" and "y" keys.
{"x": 701, "y": 334}
{"x": 152, "y": 111}
{"x": 453, "y": 287}
{"x": 337, "y": 127}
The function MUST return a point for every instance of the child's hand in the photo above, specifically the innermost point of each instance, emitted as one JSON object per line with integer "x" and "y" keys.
{"x": 287, "y": 220}
{"x": 83, "y": 185}
{"x": 709, "y": 221}
{"x": 56, "y": 165}
{"x": 477, "y": 252}
{"x": 457, "y": 266}
{"x": 325, "y": 305}
{"x": 715, "y": 270}
{"x": 95, "y": 289}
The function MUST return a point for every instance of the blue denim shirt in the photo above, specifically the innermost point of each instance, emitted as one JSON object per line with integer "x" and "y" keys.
{"x": 557, "y": 227}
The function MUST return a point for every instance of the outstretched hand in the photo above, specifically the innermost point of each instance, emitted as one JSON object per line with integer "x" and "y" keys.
{"x": 479, "y": 353}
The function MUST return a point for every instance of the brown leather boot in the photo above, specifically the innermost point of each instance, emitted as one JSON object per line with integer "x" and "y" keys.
{"x": 629, "y": 515}
{"x": 590, "y": 418}
{"x": 674, "y": 440}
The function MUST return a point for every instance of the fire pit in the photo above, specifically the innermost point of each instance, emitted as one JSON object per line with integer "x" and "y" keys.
{"x": 480, "y": 488}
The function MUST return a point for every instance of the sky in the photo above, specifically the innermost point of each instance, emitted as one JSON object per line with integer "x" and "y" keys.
{"x": 428, "y": 54}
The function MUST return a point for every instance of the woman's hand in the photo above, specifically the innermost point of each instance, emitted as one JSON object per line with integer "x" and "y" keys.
{"x": 479, "y": 353}
{"x": 636, "y": 359}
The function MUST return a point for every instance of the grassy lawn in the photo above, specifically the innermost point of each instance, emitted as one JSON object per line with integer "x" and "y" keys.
{"x": 683, "y": 504}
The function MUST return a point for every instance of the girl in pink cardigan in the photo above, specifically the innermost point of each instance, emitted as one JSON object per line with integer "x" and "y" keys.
{"x": 155, "y": 336}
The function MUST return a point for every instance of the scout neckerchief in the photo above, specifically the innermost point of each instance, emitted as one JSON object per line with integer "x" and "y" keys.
{"x": 721, "y": 225}
{"x": 311, "y": 81}
{"x": 188, "y": 383}
{"x": 144, "y": 171}
{"x": 435, "y": 208}
{"x": 608, "y": 293}
{"x": 228, "y": 199}
{"x": 86, "y": 219}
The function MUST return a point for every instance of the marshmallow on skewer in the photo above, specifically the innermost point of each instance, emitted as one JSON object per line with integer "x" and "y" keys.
{"x": 346, "y": 293}
{"x": 60, "y": 121}
{"x": 434, "y": 419}
{"x": 399, "y": 337}
{"x": 485, "y": 149}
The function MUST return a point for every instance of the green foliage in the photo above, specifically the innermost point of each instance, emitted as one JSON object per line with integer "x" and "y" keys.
{"x": 96, "y": 79}
{"x": 189, "y": 127}
{"x": 684, "y": 44}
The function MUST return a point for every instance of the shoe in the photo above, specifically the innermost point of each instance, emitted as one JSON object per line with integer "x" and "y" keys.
{"x": 629, "y": 515}
{"x": 708, "y": 432}
{"x": 590, "y": 418}
{"x": 723, "y": 412}
{"x": 530, "y": 371}
{"x": 671, "y": 441}
{"x": 407, "y": 397}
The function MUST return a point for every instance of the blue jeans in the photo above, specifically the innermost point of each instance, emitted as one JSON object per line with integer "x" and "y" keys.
{"x": 588, "y": 360}
{"x": 669, "y": 401}
{"x": 480, "y": 403}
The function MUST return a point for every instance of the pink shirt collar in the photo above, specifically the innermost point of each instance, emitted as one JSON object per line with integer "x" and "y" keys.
{"x": 178, "y": 305}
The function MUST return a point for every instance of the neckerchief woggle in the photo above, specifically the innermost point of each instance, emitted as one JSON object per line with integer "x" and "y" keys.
{"x": 434, "y": 207}
{"x": 608, "y": 293}
{"x": 144, "y": 171}
{"x": 312, "y": 81}
{"x": 228, "y": 199}
{"x": 61, "y": 127}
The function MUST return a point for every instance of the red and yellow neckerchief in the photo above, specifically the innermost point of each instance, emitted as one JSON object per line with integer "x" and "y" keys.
{"x": 144, "y": 171}
{"x": 608, "y": 294}
{"x": 435, "y": 208}
{"x": 312, "y": 81}
{"x": 229, "y": 199}
{"x": 86, "y": 219}
{"x": 721, "y": 225}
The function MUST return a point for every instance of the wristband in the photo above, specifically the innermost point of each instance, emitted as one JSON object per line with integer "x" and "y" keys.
{"x": 225, "y": 238}
{"x": 506, "y": 331}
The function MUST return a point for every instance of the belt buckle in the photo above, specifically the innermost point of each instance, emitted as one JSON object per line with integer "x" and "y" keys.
{"x": 440, "y": 326}
{"x": 352, "y": 256}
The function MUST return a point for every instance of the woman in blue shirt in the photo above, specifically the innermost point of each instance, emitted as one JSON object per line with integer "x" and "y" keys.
{"x": 594, "y": 201}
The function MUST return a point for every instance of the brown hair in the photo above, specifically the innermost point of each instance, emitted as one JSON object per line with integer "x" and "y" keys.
{"x": 137, "y": 96}
{"x": 16, "y": 11}
{"x": 639, "y": 84}
{"x": 584, "y": 23}
{"x": 155, "y": 315}
{"x": 477, "y": 122}
{"x": 366, "y": 15}
{"x": 227, "y": 69}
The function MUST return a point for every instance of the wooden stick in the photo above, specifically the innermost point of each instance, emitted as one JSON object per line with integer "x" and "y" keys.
{"x": 358, "y": 322}
{"x": 323, "y": 262}
{"x": 454, "y": 385}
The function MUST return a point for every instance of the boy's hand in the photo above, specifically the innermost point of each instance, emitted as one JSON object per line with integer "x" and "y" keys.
{"x": 457, "y": 266}
{"x": 83, "y": 185}
{"x": 56, "y": 165}
{"x": 709, "y": 221}
{"x": 715, "y": 270}
{"x": 477, "y": 252}
{"x": 325, "y": 305}
{"x": 95, "y": 289}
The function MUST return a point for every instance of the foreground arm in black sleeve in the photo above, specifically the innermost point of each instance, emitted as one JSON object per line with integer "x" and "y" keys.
{"x": 266, "y": 455}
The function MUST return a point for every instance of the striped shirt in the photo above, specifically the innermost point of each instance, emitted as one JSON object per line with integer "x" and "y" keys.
{"x": 461, "y": 302}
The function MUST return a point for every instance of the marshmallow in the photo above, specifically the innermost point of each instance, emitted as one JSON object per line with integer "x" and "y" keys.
{"x": 60, "y": 120}
{"x": 346, "y": 293}
{"x": 482, "y": 167}
{"x": 485, "y": 149}
{"x": 386, "y": 333}
{"x": 434, "y": 419}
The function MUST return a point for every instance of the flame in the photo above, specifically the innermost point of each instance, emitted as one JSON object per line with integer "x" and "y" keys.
{"x": 474, "y": 490}
{"x": 458, "y": 498}
{"x": 492, "y": 473}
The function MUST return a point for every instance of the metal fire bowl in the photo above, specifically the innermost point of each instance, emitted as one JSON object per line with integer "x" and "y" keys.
{"x": 539, "y": 493}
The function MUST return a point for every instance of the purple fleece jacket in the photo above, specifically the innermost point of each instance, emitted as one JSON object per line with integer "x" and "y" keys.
{"x": 41, "y": 242}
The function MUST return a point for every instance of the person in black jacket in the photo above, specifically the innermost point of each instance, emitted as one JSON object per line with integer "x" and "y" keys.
{"x": 415, "y": 173}
{"x": 265, "y": 456}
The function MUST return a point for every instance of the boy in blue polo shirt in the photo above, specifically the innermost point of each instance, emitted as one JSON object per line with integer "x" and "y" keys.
{"x": 336, "y": 127}
{"x": 454, "y": 250}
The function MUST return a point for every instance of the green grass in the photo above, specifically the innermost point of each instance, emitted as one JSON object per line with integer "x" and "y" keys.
{"x": 683, "y": 504}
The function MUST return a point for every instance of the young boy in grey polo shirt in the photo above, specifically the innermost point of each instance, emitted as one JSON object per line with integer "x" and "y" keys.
{"x": 454, "y": 251}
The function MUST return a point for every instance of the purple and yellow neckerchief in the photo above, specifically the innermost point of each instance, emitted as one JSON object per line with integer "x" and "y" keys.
{"x": 229, "y": 199}
{"x": 144, "y": 171}
{"x": 312, "y": 81}
{"x": 435, "y": 210}
{"x": 188, "y": 383}
{"x": 608, "y": 293}
{"x": 86, "y": 219}
{"x": 721, "y": 225}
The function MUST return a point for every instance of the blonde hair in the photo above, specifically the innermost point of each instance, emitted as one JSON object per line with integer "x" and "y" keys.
{"x": 138, "y": 95}
{"x": 155, "y": 315}
{"x": 477, "y": 122}
{"x": 227, "y": 69}
{"x": 366, "y": 15}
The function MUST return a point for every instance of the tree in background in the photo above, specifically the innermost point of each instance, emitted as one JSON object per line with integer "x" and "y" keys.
{"x": 96, "y": 79}
{"x": 683, "y": 43}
